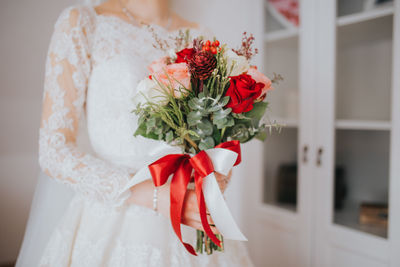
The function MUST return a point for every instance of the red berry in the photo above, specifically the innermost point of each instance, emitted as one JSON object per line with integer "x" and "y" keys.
{"x": 213, "y": 50}
{"x": 206, "y": 48}
{"x": 216, "y": 43}
{"x": 208, "y": 43}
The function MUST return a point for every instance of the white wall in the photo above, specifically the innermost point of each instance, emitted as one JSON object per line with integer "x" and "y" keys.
{"x": 25, "y": 30}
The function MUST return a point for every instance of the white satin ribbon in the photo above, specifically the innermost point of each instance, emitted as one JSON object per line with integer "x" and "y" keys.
{"x": 223, "y": 161}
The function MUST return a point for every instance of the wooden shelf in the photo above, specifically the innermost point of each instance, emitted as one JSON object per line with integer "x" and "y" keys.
{"x": 349, "y": 217}
{"x": 281, "y": 35}
{"x": 364, "y": 16}
{"x": 363, "y": 125}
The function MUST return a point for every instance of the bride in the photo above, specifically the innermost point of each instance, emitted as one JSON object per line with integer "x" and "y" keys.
{"x": 81, "y": 215}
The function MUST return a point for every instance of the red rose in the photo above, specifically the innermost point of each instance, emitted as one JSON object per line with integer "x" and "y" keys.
{"x": 184, "y": 55}
{"x": 243, "y": 91}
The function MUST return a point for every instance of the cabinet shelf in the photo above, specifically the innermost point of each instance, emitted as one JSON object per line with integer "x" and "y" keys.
{"x": 349, "y": 217}
{"x": 364, "y": 16}
{"x": 363, "y": 125}
{"x": 281, "y": 35}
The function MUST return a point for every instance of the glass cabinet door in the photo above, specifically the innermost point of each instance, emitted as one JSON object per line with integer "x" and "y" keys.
{"x": 281, "y": 57}
{"x": 362, "y": 120}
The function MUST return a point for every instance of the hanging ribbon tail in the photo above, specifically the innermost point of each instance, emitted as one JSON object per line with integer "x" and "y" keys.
{"x": 223, "y": 160}
{"x": 161, "y": 170}
{"x": 219, "y": 211}
{"x": 178, "y": 187}
{"x": 203, "y": 166}
{"x": 203, "y": 210}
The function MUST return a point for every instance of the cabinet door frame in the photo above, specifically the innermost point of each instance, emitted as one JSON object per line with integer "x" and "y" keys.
{"x": 329, "y": 235}
{"x": 301, "y": 221}
{"x": 394, "y": 193}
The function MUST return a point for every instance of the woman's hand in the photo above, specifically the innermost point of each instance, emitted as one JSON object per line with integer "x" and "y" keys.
{"x": 223, "y": 180}
{"x": 191, "y": 214}
{"x": 142, "y": 194}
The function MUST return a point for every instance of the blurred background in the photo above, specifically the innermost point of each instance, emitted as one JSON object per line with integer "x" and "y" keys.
{"x": 325, "y": 191}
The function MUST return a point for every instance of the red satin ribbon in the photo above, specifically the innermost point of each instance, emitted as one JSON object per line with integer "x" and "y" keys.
{"x": 181, "y": 166}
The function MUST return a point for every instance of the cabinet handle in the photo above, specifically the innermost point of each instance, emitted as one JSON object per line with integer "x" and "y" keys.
{"x": 305, "y": 152}
{"x": 319, "y": 156}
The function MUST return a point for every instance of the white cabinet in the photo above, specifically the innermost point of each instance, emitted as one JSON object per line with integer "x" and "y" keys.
{"x": 327, "y": 191}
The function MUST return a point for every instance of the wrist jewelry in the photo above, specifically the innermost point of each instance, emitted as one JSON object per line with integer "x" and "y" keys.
{"x": 155, "y": 199}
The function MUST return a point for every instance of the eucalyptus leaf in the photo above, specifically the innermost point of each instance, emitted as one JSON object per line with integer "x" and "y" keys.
{"x": 194, "y": 117}
{"x": 206, "y": 127}
{"x": 225, "y": 100}
{"x": 195, "y": 104}
{"x": 207, "y": 143}
{"x": 220, "y": 114}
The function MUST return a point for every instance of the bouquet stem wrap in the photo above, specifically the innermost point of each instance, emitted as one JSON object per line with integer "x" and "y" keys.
{"x": 219, "y": 159}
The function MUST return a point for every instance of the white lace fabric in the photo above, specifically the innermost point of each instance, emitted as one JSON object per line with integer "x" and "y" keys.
{"x": 67, "y": 72}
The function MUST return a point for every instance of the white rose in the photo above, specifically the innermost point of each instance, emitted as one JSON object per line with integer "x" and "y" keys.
{"x": 149, "y": 90}
{"x": 239, "y": 63}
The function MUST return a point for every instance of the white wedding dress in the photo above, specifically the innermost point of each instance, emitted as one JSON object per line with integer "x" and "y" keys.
{"x": 93, "y": 66}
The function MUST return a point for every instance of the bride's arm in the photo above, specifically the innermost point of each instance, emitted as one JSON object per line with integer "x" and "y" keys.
{"x": 68, "y": 67}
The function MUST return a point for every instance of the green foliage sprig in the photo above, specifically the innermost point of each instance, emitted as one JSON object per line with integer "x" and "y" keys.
{"x": 200, "y": 120}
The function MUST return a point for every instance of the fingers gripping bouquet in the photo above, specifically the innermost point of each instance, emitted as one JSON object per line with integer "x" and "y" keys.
{"x": 206, "y": 98}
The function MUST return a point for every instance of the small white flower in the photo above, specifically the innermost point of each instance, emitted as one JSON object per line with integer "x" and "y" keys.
{"x": 149, "y": 90}
{"x": 238, "y": 64}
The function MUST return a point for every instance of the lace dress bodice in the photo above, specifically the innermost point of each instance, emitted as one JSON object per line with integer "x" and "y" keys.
{"x": 93, "y": 66}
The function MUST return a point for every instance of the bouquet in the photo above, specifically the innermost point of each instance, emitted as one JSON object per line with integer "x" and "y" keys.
{"x": 206, "y": 98}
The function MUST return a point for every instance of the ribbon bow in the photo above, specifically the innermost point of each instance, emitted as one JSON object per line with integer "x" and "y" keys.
{"x": 221, "y": 158}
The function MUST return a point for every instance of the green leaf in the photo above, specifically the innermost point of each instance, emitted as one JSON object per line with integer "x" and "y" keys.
{"x": 240, "y": 116}
{"x": 194, "y": 104}
{"x": 205, "y": 127}
{"x": 217, "y": 135}
{"x": 141, "y": 130}
{"x": 151, "y": 122}
{"x": 230, "y": 122}
{"x": 225, "y": 100}
{"x": 258, "y": 111}
{"x": 206, "y": 143}
{"x": 194, "y": 117}
{"x": 261, "y": 135}
{"x": 220, "y": 114}
{"x": 169, "y": 137}
{"x": 214, "y": 108}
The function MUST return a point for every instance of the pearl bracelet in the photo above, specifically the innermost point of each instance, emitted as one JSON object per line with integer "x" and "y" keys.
{"x": 155, "y": 199}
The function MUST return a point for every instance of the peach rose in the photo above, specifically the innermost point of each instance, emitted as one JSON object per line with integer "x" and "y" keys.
{"x": 173, "y": 75}
{"x": 260, "y": 78}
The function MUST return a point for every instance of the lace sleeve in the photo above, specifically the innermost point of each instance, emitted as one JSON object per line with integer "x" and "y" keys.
{"x": 68, "y": 67}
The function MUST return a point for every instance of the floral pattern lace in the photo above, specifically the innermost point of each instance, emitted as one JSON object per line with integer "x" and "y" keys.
{"x": 68, "y": 69}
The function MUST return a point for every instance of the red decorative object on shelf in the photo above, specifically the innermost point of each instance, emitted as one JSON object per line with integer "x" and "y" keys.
{"x": 287, "y": 9}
